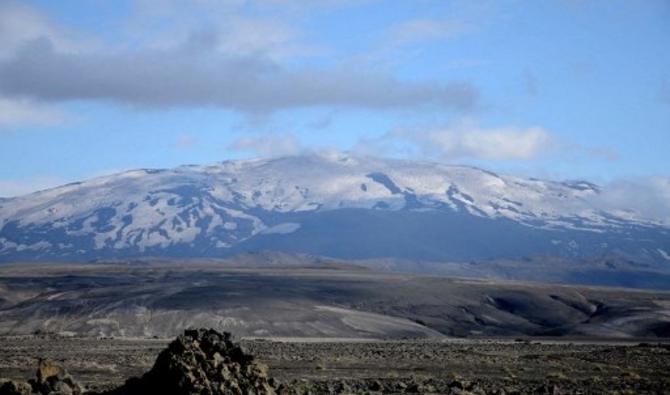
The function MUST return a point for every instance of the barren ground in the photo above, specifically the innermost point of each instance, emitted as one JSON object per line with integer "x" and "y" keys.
{"x": 391, "y": 366}
{"x": 119, "y": 300}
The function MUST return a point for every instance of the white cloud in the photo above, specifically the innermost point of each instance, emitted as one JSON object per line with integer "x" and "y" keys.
{"x": 247, "y": 36}
{"x": 405, "y": 40}
{"x": 648, "y": 197}
{"x": 471, "y": 141}
{"x": 164, "y": 24}
{"x": 21, "y": 112}
{"x": 268, "y": 144}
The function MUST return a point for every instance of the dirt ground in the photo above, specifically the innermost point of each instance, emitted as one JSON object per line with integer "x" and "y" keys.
{"x": 365, "y": 366}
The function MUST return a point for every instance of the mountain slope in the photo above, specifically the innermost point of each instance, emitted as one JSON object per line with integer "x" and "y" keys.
{"x": 333, "y": 205}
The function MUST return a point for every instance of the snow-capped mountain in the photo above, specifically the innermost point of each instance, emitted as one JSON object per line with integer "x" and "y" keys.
{"x": 329, "y": 204}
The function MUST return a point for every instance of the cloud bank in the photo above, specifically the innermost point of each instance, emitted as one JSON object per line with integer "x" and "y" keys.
{"x": 192, "y": 77}
{"x": 218, "y": 59}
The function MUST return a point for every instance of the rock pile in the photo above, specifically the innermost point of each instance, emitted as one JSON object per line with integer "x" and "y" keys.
{"x": 202, "y": 362}
{"x": 51, "y": 379}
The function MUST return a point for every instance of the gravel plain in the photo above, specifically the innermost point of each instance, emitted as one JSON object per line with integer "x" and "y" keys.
{"x": 378, "y": 366}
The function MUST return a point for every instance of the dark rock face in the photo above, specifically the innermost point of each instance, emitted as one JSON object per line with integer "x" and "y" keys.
{"x": 203, "y": 362}
{"x": 51, "y": 379}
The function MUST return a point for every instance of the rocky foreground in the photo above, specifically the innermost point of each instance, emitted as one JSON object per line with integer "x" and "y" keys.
{"x": 201, "y": 361}
{"x": 204, "y": 361}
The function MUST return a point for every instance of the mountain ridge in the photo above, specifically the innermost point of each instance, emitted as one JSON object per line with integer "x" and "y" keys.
{"x": 317, "y": 203}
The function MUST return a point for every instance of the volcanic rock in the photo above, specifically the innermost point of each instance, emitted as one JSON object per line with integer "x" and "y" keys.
{"x": 51, "y": 379}
{"x": 202, "y": 362}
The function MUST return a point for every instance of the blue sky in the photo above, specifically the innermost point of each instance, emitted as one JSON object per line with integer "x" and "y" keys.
{"x": 556, "y": 89}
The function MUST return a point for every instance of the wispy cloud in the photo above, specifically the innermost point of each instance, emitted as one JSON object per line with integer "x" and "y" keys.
{"x": 20, "y": 23}
{"x": 469, "y": 140}
{"x": 419, "y": 30}
{"x": 164, "y": 24}
{"x": 268, "y": 144}
{"x": 21, "y": 112}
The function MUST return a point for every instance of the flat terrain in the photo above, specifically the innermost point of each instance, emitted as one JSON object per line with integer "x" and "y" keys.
{"x": 120, "y": 300}
{"x": 384, "y": 366}
{"x": 341, "y": 328}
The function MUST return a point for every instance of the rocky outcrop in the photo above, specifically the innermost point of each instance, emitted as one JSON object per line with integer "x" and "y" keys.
{"x": 202, "y": 362}
{"x": 51, "y": 379}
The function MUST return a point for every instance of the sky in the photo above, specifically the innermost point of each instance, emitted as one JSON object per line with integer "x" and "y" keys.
{"x": 563, "y": 89}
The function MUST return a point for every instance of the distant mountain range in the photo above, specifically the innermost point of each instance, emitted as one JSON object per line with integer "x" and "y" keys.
{"x": 338, "y": 205}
